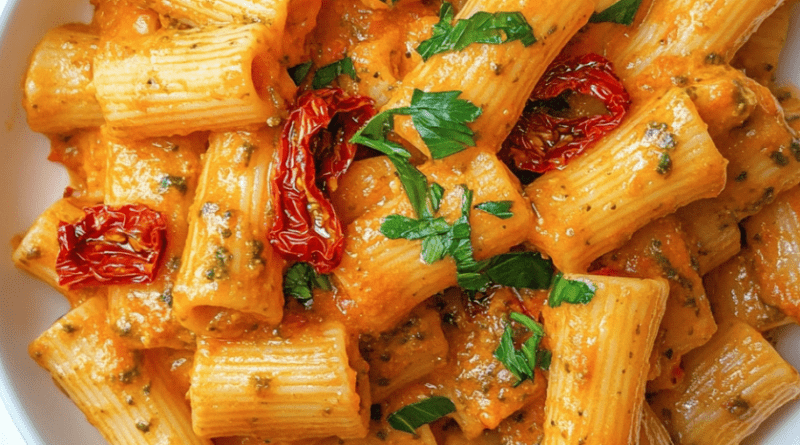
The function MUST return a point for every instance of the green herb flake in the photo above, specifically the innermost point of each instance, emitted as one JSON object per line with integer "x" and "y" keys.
{"x": 299, "y": 72}
{"x": 794, "y": 147}
{"x": 500, "y": 209}
{"x": 440, "y": 119}
{"x": 522, "y": 362}
{"x": 664, "y": 164}
{"x": 622, "y": 12}
{"x": 435, "y": 194}
{"x": 373, "y": 135}
{"x": 520, "y": 270}
{"x": 543, "y": 359}
{"x": 328, "y": 73}
{"x": 219, "y": 269}
{"x": 413, "y": 416}
{"x": 779, "y": 159}
{"x": 175, "y": 182}
{"x": 255, "y": 249}
{"x": 434, "y": 248}
{"x": 570, "y": 291}
{"x": 482, "y": 27}
{"x": 300, "y": 281}
{"x": 439, "y": 239}
{"x": 398, "y": 226}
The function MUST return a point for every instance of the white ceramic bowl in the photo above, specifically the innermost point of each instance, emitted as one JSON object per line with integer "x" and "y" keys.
{"x": 29, "y": 184}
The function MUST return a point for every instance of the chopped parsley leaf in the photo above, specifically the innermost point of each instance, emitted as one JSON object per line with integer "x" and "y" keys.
{"x": 413, "y": 416}
{"x": 482, "y": 27}
{"x": 570, "y": 291}
{"x": 328, "y": 73}
{"x": 622, "y": 12}
{"x": 300, "y": 281}
{"x": 522, "y": 362}
{"x": 500, "y": 209}
{"x": 299, "y": 72}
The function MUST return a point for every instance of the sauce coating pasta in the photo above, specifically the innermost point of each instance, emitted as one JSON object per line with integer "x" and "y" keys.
{"x": 349, "y": 254}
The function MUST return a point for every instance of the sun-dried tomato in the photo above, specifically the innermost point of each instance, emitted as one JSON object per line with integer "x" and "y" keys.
{"x": 540, "y": 141}
{"x": 111, "y": 245}
{"x": 315, "y": 150}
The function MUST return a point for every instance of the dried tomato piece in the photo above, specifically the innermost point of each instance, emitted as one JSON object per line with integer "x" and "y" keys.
{"x": 540, "y": 142}
{"x": 306, "y": 227}
{"x": 111, "y": 245}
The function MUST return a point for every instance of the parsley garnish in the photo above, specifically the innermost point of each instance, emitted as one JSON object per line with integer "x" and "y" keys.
{"x": 439, "y": 239}
{"x": 500, "y": 209}
{"x": 622, "y": 12}
{"x": 413, "y": 416}
{"x": 570, "y": 291}
{"x": 398, "y": 226}
{"x": 435, "y": 193}
{"x": 298, "y": 73}
{"x": 330, "y": 72}
{"x": 300, "y": 281}
{"x": 520, "y": 270}
{"x": 522, "y": 362}
{"x": 483, "y": 27}
{"x": 664, "y": 164}
{"x": 373, "y": 135}
{"x": 440, "y": 119}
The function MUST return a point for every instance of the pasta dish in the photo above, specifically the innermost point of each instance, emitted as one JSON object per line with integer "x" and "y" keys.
{"x": 465, "y": 222}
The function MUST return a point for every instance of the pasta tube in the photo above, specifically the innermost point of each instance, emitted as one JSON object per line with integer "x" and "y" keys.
{"x": 600, "y": 355}
{"x": 601, "y": 198}
{"x": 734, "y": 292}
{"x": 199, "y": 13}
{"x": 484, "y": 392}
{"x": 773, "y": 244}
{"x": 407, "y": 353}
{"x": 59, "y": 92}
{"x": 231, "y": 278}
{"x": 652, "y": 431}
{"x": 126, "y": 399}
{"x": 720, "y": 404}
{"x": 312, "y": 377}
{"x": 161, "y": 174}
{"x": 84, "y": 156}
{"x": 380, "y": 280}
{"x": 491, "y": 76}
{"x": 182, "y": 81}
{"x": 659, "y": 250}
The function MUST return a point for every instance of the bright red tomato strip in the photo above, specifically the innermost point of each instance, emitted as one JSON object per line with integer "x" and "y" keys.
{"x": 306, "y": 227}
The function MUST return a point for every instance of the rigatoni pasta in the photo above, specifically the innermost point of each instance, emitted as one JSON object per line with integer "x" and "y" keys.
{"x": 175, "y": 82}
{"x": 600, "y": 352}
{"x": 231, "y": 278}
{"x": 125, "y": 399}
{"x": 269, "y": 386}
{"x": 59, "y": 89}
{"x": 490, "y": 222}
